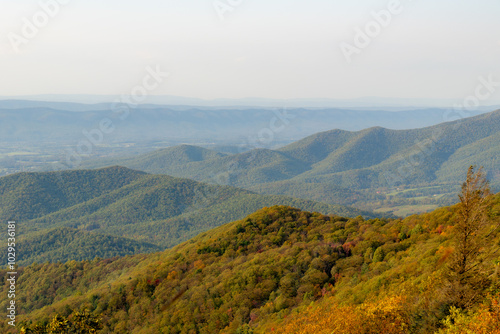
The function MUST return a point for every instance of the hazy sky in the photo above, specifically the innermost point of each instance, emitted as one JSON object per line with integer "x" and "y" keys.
{"x": 259, "y": 48}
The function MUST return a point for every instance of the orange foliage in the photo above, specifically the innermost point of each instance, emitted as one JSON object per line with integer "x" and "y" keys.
{"x": 172, "y": 275}
{"x": 198, "y": 264}
{"x": 388, "y": 315}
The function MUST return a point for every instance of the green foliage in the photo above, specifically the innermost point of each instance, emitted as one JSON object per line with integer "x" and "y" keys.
{"x": 417, "y": 230}
{"x": 244, "y": 329}
{"x": 26, "y": 196}
{"x": 273, "y": 260}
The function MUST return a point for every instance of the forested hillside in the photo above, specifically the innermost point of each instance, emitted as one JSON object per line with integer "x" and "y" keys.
{"x": 25, "y": 196}
{"x": 285, "y": 270}
{"x": 64, "y": 243}
{"x": 127, "y": 210}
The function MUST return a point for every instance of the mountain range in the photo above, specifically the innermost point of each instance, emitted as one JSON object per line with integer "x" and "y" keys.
{"x": 340, "y": 166}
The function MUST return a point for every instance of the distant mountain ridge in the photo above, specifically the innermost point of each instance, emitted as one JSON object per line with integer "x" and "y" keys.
{"x": 368, "y": 102}
{"x": 50, "y": 122}
{"x": 63, "y": 244}
{"x": 44, "y": 136}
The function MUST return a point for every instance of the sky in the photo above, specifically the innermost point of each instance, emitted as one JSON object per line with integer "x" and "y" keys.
{"x": 252, "y": 48}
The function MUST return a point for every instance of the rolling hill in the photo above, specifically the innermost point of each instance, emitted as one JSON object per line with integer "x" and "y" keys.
{"x": 130, "y": 211}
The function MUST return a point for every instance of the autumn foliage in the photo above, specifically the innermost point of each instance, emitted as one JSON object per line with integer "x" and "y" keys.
{"x": 389, "y": 315}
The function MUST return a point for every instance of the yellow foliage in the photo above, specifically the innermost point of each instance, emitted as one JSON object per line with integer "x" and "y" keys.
{"x": 388, "y": 315}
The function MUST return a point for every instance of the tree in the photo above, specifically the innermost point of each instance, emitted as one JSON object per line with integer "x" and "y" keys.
{"x": 58, "y": 325}
{"x": 84, "y": 322}
{"x": 466, "y": 275}
{"x": 379, "y": 255}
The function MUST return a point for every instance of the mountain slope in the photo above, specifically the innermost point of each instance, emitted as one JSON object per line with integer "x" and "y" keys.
{"x": 61, "y": 244}
{"x": 26, "y": 196}
{"x": 378, "y": 149}
{"x": 484, "y": 152}
{"x": 170, "y": 160}
{"x": 60, "y": 122}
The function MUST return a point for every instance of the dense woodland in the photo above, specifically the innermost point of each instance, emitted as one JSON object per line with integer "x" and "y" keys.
{"x": 284, "y": 270}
